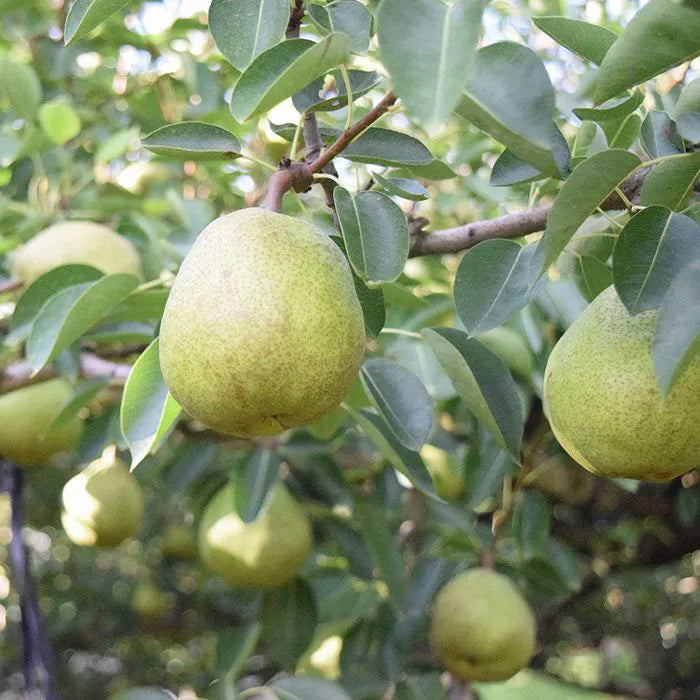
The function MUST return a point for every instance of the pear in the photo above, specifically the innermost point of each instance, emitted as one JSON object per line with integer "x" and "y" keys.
{"x": 445, "y": 472}
{"x": 265, "y": 553}
{"x": 150, "y": 601}
{"x": 603, "y": 402}
{"x": 511, "y": 348}
{"x": 262, "y": 330}
{"x": 179, "y": 542}
{"x": 76, "y": 242}
{"x": 482, "y": 629}
{"x": 26, "y": 416}
{"x": 102, "y": 505}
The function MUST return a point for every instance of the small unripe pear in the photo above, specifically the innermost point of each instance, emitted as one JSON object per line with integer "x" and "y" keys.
{"x": 511, "y": 348}
{"x": 446, "y": 474}
{"x": 262, "y": 330}
{"x": 603, "y": 403}
{"x": 76, "y": 242}
{"x": 102, "y": 505}
{"x": 482, "y": 628}
{"x": 264, "y": 553}
{"x": 26, "y": 416}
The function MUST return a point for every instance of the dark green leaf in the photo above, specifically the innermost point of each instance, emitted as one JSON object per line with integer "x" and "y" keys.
{"x": 425, "y": 687}
{"x": 612, "y": 109}
{"x": 283, "y": 70}
{"x": 313, "y": 98}
{"x": 661, "y": 35}
{"x": 592, "y": 276}
{"x": 148, "y": 410}
{"x": 402, "y": 187}
{"x": 242, "y": 29}
{"x": 687, "y": 112}
{"x": 254, "y": 479}
{"x": 625, "y": 136}
{"x": 234, "y": 647}
{"x": 193, "y": 140}
{"x": 288, "y": 618}
{"x": 531, "y": 522}
{"x": 511, "y": 170}
{"x": 372, "y": 303}
{"x": 348, "y": 16}
{"x": 428, "y": 47}
{"x": 670, "y": 182}
{"x": 651, "y": 249}
{"x": 659, "y": 136}
{"x": 677, "y": 335}
{"x": 387, "y": 147}
{"x": 483, "y": 383}
{"x": 589, "y": 41}
{"x": 85, "y": 15}
{"x": 143, "y": 693}
{"x": 401, "y": 399}
{"x": 307, "y": 688}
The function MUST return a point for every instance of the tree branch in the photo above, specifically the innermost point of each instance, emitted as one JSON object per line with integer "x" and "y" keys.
{"x": 9, "y": 285}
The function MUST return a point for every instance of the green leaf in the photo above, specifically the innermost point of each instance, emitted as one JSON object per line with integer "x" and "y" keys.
{"x": 677, "y": 334}
{"x": 494, "y": 280}
{"x": 372, "y": 303}
{"x": 585, "y": 136}
{"x": 385, "y": 553}
{"x": 242, "y": 29}
{"x": 40, "y": 291}
{"x": 193, "y": 140}
{"x": 651, "y": 249}
{"x": 387, "y": 147}
{"x": 234, "y": 647}
{"x": 288, "y": 618}
{"x": 531, "y": 522}
{"x": 404, "y": 460}
{"x": 85, "y": 15}
{"x": 687, "y": 112}
{"x": 59, "y": 121}
{"x": 401, "y": 399}
{"x": 284, "y": 69}
{"x": 511, "y": 170}
{"x": 428, "y": 47}
{"x": 589, "y": 41}
{"x": 626, "y": 135}
{"x": 84, "y": 392}
{"x": 307, "y": 688}
{"x": 309, "y": 99}
{"x": 483, "y": 382}
{"x": 148, "y": 410}
{"x": 402, "y": 187}
{"x": 670, "y": 182}
{"x": 254, "y": 479}
{"x": 425, "y": 687}
{"x": 347, "y": 16}
{"x": 375, "y": 232}
{"x": 658, "y": 135}
{"x": 71, "y": 312}
{"x": 612, "y": 109}
{"x": 116, "y": 145}
{"x": 592, "y": 276}
{"x": 434, "y": 170}
{"x": 662, "y": 34}
{"x": 511, "y": 98}
{"x": 143, "y": 693}
{"x": 21, "y": 87}
{"x": 485, "y": 475}
{"x": 587, "y": 186}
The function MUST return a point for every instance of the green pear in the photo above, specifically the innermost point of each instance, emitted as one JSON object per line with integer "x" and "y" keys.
{"x": 26, "y": 415}
{"x": 76, "y": 242}
{"x": 482, "y": 628}
{"x": 179, "y": 542}
{"x": 262, "y": 330}
{"x": 603, "y": 402}
{"x": 264, "y": 553}
{"x": 102, "y": 505}
{"x": 445, "y": 472}
{"x": 511, "y": 348}
{"x": 150, "y": 601}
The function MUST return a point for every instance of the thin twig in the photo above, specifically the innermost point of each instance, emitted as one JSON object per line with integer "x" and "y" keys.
{"x": 10, "y": 285}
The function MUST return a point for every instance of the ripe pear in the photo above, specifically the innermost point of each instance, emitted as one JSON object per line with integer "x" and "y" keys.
{"x": 445, "y": 472}
{"x": 102, "y": 505}
{"x": 603, "y": 402}
{"x": 265, "y": 553}
{"x": 511, "y": 348}
{"x": 26, "y": 415}
{"x": 262, "y": 330}
{"x": 482, "y": 628}
{"x": 76, "y": 242}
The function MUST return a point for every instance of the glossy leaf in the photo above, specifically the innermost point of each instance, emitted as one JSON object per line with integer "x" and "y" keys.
{"x": 494, "y": 279}
{"x": 483, "y": 383}
{"x": 373, "y": 308}
{"x": 670, "y": 182}
{"x": 677, "y": 335}
{"x": 375, "y": 234}
{"x": 627, "y": 133}
{"x": 348, "y": 16}
{"x": 687, "y": 112}
{"x": 307, "y": 688}
{"x": 658, "y": 135}
{"x": 71, "y": 312}
{"x": 84, "y": 15}
{"x": 404, "y": 460}
{"x": 21, "y": 87}
{"x": 662, "y": 34}
{"x": 313, "y": 98}
{"x": 242, "y": 29}
{"x": 401, "y": 399}
{"x": 590, "y": 41}
{"x": 428, "y": 47}
{"x": 511, "y": 98}
{"x": 283, "y": 70}
{"x": 651, "y": 249}
{"x": 254, "y": 479}
{"x": 288, "y": 618}
{"x": 387, "y": 147}
{"x": 587, "y": 186}
{"x": 402, "y": 187}
{"x": 612, "y": 109}
{"x": 592, "y": 276}
{"x": 193, "y": 140}
{"x": 148, "y": 411}
{"x": 511, "y": 170}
